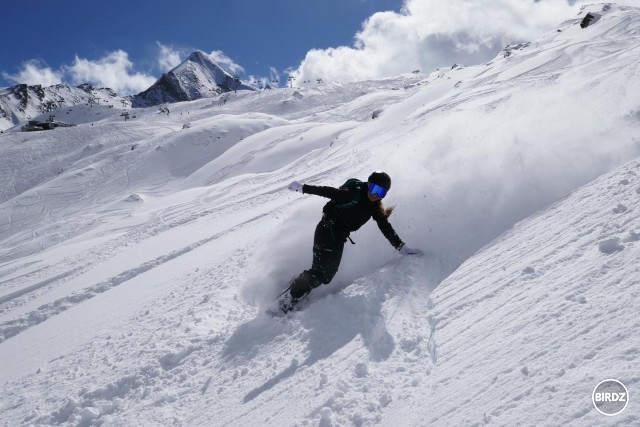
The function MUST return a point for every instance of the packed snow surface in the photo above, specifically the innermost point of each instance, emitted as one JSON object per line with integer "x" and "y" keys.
{"x": 137, "y": 257}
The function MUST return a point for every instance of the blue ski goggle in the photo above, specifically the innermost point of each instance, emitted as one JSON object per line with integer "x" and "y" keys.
{"x": 376, "y": 190}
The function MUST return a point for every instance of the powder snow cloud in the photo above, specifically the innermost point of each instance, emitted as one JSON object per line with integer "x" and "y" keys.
{"x": 428, "y": 34}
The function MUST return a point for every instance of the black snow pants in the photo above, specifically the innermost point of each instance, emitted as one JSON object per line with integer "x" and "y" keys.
{"x": 328, "y": 244}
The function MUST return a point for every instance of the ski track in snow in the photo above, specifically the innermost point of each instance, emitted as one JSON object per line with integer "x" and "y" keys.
{"x": 126, "y": 249}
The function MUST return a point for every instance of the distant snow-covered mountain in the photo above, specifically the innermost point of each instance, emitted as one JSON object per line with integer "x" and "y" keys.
{"x": 197, "y": 77}
{"x": 22, "y": 102}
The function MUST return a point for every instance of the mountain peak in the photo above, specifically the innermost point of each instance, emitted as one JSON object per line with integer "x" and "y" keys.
{"x": 196, "y": 77}
{"x": 199, "y": 56}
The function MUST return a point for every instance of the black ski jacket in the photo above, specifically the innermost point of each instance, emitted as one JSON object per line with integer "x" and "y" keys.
{"x": 350, "y": 208}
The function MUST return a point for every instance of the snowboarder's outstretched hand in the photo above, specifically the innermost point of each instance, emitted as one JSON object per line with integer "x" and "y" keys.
{"x": 405, "y": 250}
{"x": 296, "y": 186}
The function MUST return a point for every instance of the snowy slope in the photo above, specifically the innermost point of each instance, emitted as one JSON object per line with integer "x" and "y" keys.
{"x": 135, "y": 257}
{"x": 525, "y": 329}
{"x": 20, "y": 103}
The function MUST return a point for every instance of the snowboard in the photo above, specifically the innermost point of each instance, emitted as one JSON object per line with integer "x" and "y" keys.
{"x": 304, "y": 302}
{"x": 276, "y": 310}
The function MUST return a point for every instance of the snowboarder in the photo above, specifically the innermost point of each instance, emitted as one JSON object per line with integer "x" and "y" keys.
{"x": 348, "y": 209}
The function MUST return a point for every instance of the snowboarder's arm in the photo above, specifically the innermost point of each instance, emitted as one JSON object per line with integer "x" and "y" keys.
{"x": 392, "y": 236}
{"x": 387, "y": 230}
{"x": 340, "y": 195}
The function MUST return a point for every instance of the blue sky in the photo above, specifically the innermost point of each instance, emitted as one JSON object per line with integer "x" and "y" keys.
{"x": 257, "y": 35}
{"x": 126, "y": 45}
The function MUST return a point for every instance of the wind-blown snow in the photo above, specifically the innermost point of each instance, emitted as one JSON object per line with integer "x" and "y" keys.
{"x": 136, "y": 257}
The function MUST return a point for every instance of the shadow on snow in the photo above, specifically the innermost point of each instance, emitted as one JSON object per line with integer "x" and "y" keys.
{"x": 333, "y": 321}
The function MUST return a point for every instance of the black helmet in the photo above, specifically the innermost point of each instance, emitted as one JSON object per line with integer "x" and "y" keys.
{"x": 380, "y": 178}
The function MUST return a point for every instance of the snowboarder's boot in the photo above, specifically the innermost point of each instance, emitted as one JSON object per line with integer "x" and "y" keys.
{"x": 287, "y": 303}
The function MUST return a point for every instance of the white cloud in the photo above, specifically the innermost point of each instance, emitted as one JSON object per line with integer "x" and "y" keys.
{"x": 428, "y": 34}
{"x": 169, "y": 57}
{"x": 225, "y": 62}
{"x": 115, "y": 71}
{"x": 34, "y": 73}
